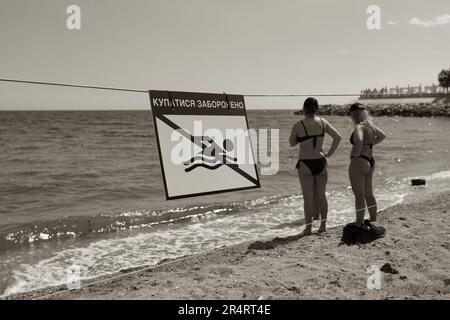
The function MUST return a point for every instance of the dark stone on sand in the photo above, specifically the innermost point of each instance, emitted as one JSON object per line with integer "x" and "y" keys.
{"x": 387, "y": 268}
{"x": 387, "y": 253}
{"x": 403, "y": 277}
{"x": 418, "y": 182}
{"x": 402, "y": 218}
{"x": 295, "y": 289}
{"x": 447, "y": 282}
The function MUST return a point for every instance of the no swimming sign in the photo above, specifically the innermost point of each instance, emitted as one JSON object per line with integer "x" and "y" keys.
{"x": 203, "y": 143}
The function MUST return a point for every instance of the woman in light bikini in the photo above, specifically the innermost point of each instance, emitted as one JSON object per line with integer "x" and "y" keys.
{"x": 309, "y": 133}
{"x": 362, "y": 164}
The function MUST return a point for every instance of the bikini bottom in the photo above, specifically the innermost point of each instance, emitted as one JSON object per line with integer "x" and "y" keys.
{"x": 371, "y": 160}
{"x": 316, "y": 166}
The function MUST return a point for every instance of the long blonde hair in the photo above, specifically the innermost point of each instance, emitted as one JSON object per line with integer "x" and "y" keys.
{"x": 362, "y": 116}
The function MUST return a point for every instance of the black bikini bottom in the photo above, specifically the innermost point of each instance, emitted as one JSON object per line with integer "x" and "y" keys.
{"x": 370, "y": 160}
{"x": 316, "y": 166}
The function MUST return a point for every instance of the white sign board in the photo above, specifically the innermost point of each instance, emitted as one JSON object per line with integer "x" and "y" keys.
{"x": 203, "y": 143}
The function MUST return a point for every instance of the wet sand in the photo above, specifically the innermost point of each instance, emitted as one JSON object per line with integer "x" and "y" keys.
{"x": 417, "y": 246}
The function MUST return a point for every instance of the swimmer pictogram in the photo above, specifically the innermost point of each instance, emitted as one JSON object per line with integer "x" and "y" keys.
{"x": 212, "y": 155}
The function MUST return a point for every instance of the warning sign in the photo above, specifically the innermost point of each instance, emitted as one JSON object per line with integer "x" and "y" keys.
{"x": 203, "y": 143}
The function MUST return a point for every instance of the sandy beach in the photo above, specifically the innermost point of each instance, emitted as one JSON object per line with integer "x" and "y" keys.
{"x": 417, "y": 246}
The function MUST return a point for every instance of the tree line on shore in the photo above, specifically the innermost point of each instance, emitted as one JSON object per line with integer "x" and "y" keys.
{"x": 433, "y": 109}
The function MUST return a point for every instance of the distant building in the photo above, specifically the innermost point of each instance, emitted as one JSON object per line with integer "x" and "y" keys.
{"x": 402, "y": 92}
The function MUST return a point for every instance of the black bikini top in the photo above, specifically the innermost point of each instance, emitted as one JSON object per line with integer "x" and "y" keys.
{"x": 352, "y": 141}
{"x": 314, "y": 137}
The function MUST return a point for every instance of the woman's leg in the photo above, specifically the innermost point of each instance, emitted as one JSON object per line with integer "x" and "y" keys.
{"x": 317, "y": 214}
{"x": 370, "y": 198}
{"x": 358, "y": 170}
{"x": 321, "y": 198}
{"x": 307, "y": 184}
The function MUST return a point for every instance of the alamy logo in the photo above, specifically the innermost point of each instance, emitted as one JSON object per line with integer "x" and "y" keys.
{"x": 374, "y": 278}
{"x": 73, "y": 21}
{"x": 73, "y": 280}
{"x": 374, "y": 19}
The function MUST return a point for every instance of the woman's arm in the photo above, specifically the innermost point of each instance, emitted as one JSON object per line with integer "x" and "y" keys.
{"x": 379, "y": 135}
{"x": 335, "y": 135}
{"x": 357, "y": 141}
{"x": 293, "y": 137}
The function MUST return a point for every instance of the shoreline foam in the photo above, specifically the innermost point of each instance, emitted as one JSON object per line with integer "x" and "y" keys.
{"x": 300, "y": 268}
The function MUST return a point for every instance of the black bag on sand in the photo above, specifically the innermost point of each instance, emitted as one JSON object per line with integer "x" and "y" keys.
{"x": 365, "y": 233}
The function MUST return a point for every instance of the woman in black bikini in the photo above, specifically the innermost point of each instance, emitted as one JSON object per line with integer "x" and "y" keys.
{"x": 362, "y": 163}
{"x": 312, "y": 166}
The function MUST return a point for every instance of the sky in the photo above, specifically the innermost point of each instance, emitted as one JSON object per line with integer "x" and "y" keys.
{"x": 241, "y": 47}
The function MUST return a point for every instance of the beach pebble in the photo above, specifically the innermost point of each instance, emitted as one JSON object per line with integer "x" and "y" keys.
{"x": 402, "y": 218}
{"x": 402, "y": 277}
{"x": 387, "y": 253}
{"x": 387, "y": 268}
{"x": 335, "y": 282}
{"x": 295, "y": 289}
{"x": 447, "y": 282}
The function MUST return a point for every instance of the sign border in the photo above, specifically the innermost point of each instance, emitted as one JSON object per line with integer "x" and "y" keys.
{"x": 198, "y": 194}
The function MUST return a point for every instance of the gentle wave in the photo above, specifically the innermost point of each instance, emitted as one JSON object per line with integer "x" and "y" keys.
{"x": 76, "y": 227}
{"x": 71, "y": 228}
{"x": 439, "y": 175}
{"x": 436, "y": 176}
